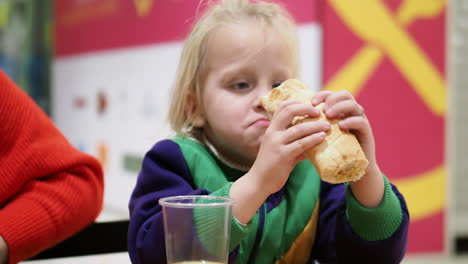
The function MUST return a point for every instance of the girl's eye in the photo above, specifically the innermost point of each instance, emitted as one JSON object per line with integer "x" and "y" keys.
{"x": 241, "y": 86}
{"x": 276, "y": 84}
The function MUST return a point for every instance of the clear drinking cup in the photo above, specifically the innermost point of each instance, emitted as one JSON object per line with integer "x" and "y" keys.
{"x": 197, "y": 228}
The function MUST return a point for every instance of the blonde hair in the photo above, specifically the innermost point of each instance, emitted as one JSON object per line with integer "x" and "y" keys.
{"x": 190, "y": 71}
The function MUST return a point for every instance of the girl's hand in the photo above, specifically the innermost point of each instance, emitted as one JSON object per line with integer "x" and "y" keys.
{"x": 342, "y": 105}
{"x": 370, "y": 188}
{"x": 283, "y": 145}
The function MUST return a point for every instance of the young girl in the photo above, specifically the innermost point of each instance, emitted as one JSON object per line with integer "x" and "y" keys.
{"x": 226, "y": 146}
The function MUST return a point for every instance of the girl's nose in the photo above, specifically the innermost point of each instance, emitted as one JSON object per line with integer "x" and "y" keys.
{"x": 261, "y": 91}
{"x": 258, "y": 104}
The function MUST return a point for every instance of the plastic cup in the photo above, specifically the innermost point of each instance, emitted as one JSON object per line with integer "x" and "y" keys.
{"x": 197, "y": 228}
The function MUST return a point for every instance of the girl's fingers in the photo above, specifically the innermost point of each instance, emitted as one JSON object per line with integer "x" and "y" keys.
{"x": 300, "y": 146}
{"x": 299, "y": 131}
{"x": 358, "y": 123}
{"x": 286, "y": 103}
{"x": 288, "y": 110}
{"x": 337, "y": 97}
{"x": 343, "y": 109}
{"x": 360, "y": 127}
{"x": 320, "y": 97}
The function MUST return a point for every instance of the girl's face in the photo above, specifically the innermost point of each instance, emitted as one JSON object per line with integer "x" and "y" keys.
{"x": 243, "y": 63}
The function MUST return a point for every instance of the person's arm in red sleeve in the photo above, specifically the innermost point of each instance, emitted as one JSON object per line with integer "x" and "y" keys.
{"x": 49, "y": 190}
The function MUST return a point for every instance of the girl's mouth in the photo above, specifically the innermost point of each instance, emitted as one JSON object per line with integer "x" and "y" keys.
{"x": 262, "y": 123}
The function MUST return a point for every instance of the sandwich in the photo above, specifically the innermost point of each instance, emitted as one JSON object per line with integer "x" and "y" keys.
{"x": 339, "y": 158}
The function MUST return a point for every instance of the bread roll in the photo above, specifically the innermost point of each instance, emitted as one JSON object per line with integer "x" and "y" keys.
{"x": 339, "y": 158}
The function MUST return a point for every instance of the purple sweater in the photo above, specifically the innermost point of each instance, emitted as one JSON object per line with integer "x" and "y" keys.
{"x": 343, "y": 227}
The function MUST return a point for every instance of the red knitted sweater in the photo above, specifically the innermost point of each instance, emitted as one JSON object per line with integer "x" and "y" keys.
{"x": 48, "y": 189}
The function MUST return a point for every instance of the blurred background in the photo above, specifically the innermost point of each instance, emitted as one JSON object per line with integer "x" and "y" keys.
{"x": 103, "y": 70}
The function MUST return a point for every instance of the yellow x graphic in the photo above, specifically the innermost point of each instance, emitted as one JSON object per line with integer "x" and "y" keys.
{"x": 424, "y": 193}
{"x": 374, "y": 23}
{"x": 143, "y": 7}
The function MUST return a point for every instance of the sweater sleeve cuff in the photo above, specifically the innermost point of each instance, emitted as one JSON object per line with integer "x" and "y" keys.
{"x": 373, "y": 224}
{"x": 238, "y": 230}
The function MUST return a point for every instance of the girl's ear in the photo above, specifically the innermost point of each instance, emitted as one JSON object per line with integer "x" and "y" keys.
{"x": 194, "y": 112}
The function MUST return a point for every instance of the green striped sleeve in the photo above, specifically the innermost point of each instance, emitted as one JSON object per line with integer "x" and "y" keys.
{"x": 238, "y": 231}
{"x": 373, "y": 224}
{"x": 205, "y": 230}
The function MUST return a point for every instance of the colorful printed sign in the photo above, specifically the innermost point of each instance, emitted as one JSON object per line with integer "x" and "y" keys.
{"x": 84, "y": 26}
{"x": 390, "y": 54}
